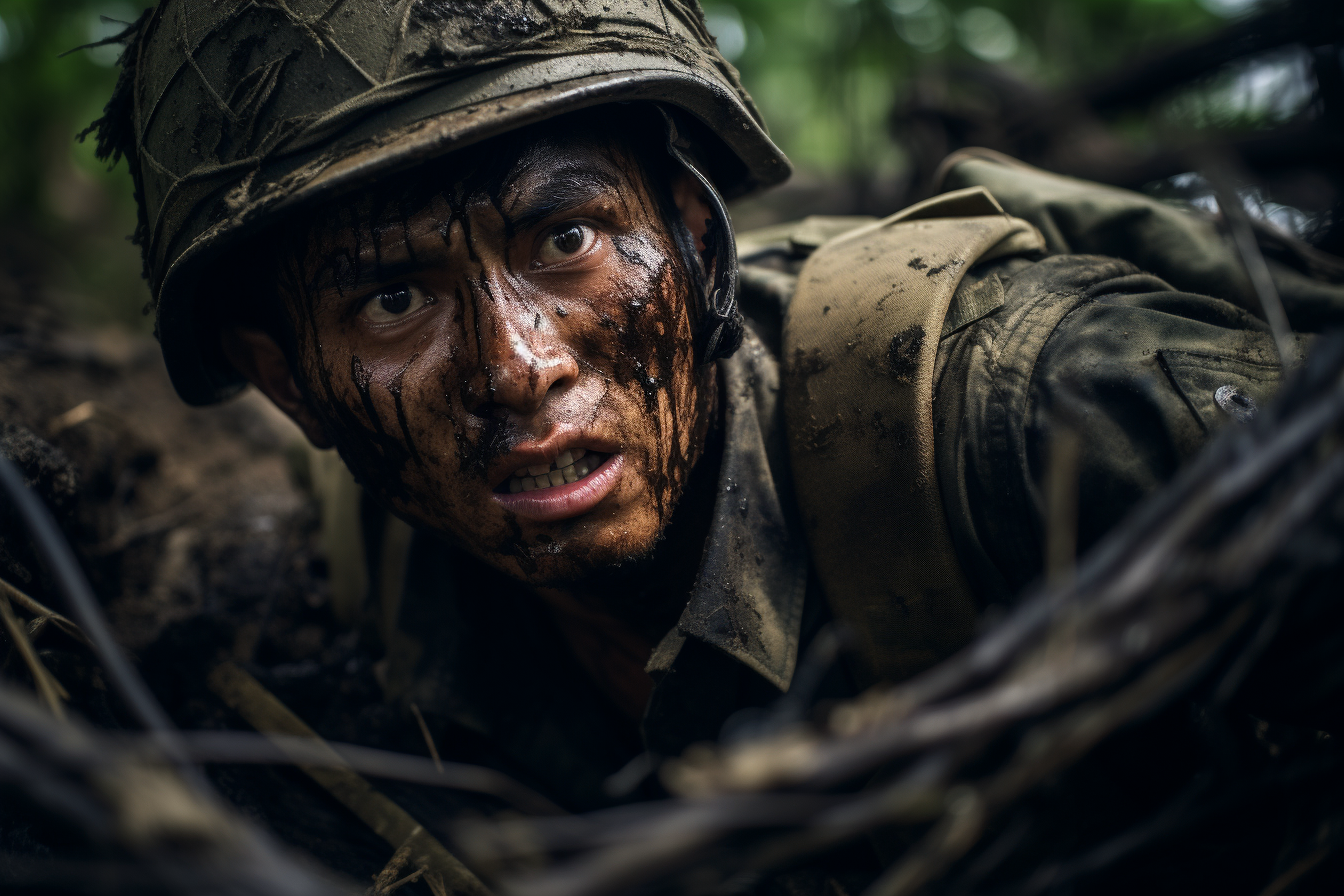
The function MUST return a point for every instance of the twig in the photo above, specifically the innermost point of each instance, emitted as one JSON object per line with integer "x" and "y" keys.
{"x": 263, "y": 711}
{"x": 152, "y": 834}
{"x": 48, "y": 688}
{"x": 386, "y": 880}
{"x": 76, "y": 415}
{"x": 429, "y": 740}
{"x": 1301, "y": 867}
{"x": 1252, "y": 259}
{"x": 151, "y": 525}
{"x": 245, "y": 747}
{"x": 42, "y": 612}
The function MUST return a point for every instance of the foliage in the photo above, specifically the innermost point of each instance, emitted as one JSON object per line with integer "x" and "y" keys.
{"x": 827, "y": 72}
{"x": 53, "y": 192}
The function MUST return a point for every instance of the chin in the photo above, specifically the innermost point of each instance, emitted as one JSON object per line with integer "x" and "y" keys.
{"x": 550, "y": 561}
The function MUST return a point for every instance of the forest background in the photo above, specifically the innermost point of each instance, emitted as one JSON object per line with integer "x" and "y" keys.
{"x": 838, "y": 81}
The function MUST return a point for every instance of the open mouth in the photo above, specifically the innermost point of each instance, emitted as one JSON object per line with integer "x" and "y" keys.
{"x": 572, "y": 465}
{"x": 576, "y": 483}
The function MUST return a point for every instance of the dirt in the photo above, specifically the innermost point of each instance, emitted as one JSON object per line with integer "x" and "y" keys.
{"x": 199, "y": 532}
{"x": 176, "y": 513}
{"x": 160, "y": 489}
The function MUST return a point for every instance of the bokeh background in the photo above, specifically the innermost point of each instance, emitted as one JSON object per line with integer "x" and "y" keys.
{"x": 864, "y": 95}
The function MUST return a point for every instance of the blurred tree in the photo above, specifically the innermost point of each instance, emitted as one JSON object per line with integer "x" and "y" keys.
{"x": 826, "y": 73}
{"x": 60, "y": 209}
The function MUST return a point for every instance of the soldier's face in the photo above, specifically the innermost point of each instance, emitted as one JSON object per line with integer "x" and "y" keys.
{"x": 508, "y": 360}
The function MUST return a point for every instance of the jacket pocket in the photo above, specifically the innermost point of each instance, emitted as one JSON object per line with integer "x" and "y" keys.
{"x": 1217, "y": 388}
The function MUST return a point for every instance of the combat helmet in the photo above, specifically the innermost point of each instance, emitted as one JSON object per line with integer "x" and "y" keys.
{"x": 234, "y": 112}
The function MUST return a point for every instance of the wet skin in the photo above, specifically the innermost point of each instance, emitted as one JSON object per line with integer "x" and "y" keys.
{"x": 446, "y": 342}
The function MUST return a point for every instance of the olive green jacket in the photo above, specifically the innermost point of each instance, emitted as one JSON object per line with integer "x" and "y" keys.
{"x": 1132, "y": 363}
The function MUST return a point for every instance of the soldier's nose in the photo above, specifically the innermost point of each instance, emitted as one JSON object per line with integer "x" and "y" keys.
{"x": 523, "y": 359}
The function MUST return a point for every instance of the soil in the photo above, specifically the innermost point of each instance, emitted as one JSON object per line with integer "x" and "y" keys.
{"x": 198, "y": 531}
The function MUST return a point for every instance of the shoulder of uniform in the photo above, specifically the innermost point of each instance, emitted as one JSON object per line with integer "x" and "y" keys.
{"x": 1012, "y": 283}
{"x": 781, "y": 245}
{"x": 770, "y": 258}
{"x": 793, "y": 242}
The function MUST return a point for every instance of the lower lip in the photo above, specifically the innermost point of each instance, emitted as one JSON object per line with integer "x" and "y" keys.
{"x": 560, "y": 502}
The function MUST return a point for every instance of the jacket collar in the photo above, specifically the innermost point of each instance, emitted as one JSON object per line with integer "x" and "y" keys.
{"x": 748, "y": 598}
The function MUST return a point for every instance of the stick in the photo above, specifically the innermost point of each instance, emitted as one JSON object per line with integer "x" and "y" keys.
{"x": 268, "y": 715}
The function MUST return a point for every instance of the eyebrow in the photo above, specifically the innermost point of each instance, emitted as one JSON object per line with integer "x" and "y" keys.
{"x": 553, "y": 191}
{"x": 362, "y": 272}
{"x": 559, "y": 190}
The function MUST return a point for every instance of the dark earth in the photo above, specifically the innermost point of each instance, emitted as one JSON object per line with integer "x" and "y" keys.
{"x": 200, "y": 532}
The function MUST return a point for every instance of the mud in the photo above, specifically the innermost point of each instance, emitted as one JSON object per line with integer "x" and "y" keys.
{"x": 903, "y": 354}
{"x": 804, "y": 364}
{"x": 492, "y": 18}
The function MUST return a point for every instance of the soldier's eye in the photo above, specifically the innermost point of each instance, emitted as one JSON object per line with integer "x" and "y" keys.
{"x": 565, "y": 242}
{"x": 393, "y": 303}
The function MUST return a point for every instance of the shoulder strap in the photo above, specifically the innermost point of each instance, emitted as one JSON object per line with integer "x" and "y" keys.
{"x": 860, "y": 340}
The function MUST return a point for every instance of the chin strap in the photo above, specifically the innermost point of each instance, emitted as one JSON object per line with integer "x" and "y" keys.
{"x": 720, "y": 325}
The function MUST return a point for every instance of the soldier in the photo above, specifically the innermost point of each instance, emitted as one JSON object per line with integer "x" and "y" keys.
{"x": 481, "y": 250}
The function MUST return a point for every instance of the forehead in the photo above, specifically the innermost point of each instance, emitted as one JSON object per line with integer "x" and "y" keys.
{"x": 535, "y": 170}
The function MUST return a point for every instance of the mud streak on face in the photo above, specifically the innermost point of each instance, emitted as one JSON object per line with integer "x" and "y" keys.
{"x": 504, "y": 350}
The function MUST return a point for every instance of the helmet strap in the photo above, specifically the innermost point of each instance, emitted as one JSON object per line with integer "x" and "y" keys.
{"x": 720, "y": 326}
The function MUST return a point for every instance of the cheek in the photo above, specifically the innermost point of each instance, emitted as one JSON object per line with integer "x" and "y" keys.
{"x": 385, "y": 415}
{"x": 653, "y": 370}
{"x": 643, "y": 312}
{"x": 446, "y": 442}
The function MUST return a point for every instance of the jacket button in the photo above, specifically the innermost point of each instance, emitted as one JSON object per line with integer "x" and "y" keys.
{"x": 1235, "y": 403}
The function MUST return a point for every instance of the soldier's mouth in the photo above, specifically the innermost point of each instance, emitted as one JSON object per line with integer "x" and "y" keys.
{"x": 594, "y": 477}
{"x": 572, "y": 465}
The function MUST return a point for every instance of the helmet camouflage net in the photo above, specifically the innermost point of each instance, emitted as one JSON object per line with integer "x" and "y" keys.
{"x": 234, "y": 112}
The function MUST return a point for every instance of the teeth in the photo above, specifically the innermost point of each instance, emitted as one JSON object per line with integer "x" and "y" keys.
{"x": 571, "y": 466}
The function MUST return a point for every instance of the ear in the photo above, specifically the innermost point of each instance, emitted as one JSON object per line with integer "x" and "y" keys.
{"x": 693, "y": 205}
{"x": 258, "y": 357}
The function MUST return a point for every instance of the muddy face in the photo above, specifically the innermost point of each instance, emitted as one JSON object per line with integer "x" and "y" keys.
{"x": 506, "y": 357}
